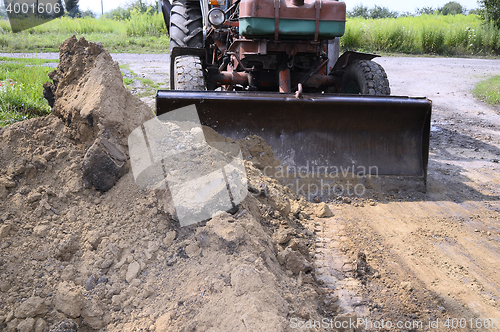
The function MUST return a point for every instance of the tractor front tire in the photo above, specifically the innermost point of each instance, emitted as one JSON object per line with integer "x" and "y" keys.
{"x": 186, "y": 26}
{"x": 365, "y": 77}
{"x": 189, "y": 73}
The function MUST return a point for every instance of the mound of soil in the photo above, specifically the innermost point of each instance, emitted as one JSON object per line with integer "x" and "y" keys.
{"x": 82, "y": 247}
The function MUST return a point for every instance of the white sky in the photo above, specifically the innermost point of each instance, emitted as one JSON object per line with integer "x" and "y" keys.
{"x": 395, "y": 5}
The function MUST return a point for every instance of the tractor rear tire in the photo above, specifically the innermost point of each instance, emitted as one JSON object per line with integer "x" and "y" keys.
{"x": 188, "y": 73}
{"x": 365, "y": 77}
{"x": 186, "y": 26}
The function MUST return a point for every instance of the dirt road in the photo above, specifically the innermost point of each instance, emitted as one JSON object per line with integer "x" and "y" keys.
{"x": 444, "y": 242}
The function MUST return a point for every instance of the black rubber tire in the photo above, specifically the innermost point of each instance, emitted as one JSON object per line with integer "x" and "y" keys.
{"x": 166, "y": 8}
{"x": 186, "y": 25}
{"x": 188, "y": 73}
{"x": 365, "y": 77}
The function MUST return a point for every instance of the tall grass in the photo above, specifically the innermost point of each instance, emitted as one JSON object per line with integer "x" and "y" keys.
{"x": 142, "y": 33}
{"x": 429, "y": 34}
{"x": 488, "y": 90}
{"x": 139, "y": 24}
{"x": 21, "y": 95}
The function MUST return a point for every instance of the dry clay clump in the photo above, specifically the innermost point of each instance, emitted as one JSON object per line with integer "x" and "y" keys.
{"x": 89, "y": 96}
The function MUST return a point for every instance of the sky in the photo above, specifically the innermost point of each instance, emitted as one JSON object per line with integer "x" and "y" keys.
{"x": 394, "y": 5}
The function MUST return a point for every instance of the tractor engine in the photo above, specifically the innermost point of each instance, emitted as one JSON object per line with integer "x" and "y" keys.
{"x": 274, "y": 45}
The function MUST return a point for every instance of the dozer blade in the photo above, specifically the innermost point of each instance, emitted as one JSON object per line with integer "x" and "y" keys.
{"x": 380, "y": 135}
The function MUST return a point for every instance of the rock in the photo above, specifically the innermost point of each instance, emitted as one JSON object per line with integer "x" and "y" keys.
{"x": 40, "y": 325}
{"x": 3, "y": 192}
{"x": 346, "y": 200}
{"x": 103, "y": 164}
{"x": 49, "y": 154}
{"x": 133, "y": 271}
{"x": 107, "y": 263}
{"x": 66, "y": 249}
{"x": 26, "y": 325}
{"x": 66, "y": 325}
{"x": 192, "y": 250}
{"x": 39, "y": 162}
{"x": 284, "y": 235}
{"x": 69, "y": 299}
{"x": 90, "y": 284}
{"x": 32, "y": 307}
{"x": 94, "y": 238}
{"x": 295, "y": 208}
{"x": 162, "y": 324}
{"x": 7, "y": 183}
{"x": 169, "y": 238}
{"x": 33, "y": 197}
{"x": 41, "y": 230}
{"x": 30, "y": 171}
{"x": 296, "y": 263}
{"x": 4, "y": 231}
{"x": 280, "y": 203}
{"x": 68, "y": 273}
{"x": 406, "y": 285}
{"x": 323, "y": 211}
{"x": 348, "y": 320}
{"x": 92, "y": 315}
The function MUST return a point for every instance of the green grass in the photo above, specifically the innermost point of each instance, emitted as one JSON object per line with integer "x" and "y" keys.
{"x": 24, "y": 99}
{"x": 29, "y": 61}
{"x": 426, "y": 34}
{"x": 488, "y": 90}
{"x": 128, "y": 81}
{"x": 142, "y": 33}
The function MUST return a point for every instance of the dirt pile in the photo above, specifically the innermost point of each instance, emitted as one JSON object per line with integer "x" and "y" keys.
{"x": 74, "y": 257}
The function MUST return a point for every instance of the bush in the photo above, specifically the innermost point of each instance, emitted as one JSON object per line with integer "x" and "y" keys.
{"x": 452, "y": 8}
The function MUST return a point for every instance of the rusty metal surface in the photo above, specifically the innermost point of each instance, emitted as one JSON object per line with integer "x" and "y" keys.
{"x": 330, "y": 10}
{"x": 388, "y": 134}
{"x": 262, "y": 46}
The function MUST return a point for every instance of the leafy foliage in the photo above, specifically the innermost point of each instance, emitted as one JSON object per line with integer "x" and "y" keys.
{"x": 72, "y": 7}
{"x": 425, "y": 11}
{"x": 490, "y": 11}
{"x": 375, "y": 12}
{"x": 452, "y": 8}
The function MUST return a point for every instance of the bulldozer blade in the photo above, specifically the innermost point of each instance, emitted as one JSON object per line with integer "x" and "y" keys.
{"x": 377, "y": 135}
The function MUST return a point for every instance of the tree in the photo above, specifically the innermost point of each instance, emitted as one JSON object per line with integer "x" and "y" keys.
{"x": 72, "y": 7}
{"x": 61, "y": 9}
{"x": 490, "y": 11}
{"x": 3, "y": 13}
{"x": 452, "y": 8}
{"x": 475, "y": 11}
{"x": 382, "y": 12}
{"x": 88, "y": 13}
{"x": 360, "y": 11}
{"x": 425, "y": 11}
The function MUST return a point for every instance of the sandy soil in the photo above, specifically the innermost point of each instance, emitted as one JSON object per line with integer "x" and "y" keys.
{"x": 446, "y": 242}
{"x": 118, "y": 261}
